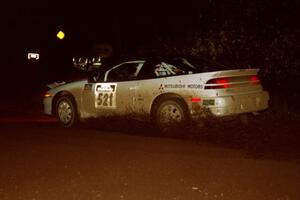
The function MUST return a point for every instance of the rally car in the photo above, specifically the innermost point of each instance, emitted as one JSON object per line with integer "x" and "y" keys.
{"x": 166, "y": 91}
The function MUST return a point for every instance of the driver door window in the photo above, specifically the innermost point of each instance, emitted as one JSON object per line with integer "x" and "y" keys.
{"x": 124, "y": 72}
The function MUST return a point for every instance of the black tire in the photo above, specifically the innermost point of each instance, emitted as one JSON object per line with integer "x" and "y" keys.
{"x": 66, "y": 111}
{"x": 170, "y": 115}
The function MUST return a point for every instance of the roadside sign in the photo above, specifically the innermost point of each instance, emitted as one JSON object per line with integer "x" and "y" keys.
{"x": 33, "y": 56}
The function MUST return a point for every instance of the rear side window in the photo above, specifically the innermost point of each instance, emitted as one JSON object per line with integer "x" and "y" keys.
{"x": 166, "y": 67}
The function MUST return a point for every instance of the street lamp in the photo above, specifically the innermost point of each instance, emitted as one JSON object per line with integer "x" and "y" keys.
{"x": 60, "y": 35}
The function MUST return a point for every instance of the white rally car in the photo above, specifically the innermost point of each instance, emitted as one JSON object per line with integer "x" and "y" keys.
{"x": 166, "y": 91}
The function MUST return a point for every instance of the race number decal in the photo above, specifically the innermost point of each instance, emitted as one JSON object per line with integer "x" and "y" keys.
{"x": 105, "y": 95}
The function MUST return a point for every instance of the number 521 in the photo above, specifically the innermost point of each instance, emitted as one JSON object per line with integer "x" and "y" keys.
{"x": 105, "y": 99}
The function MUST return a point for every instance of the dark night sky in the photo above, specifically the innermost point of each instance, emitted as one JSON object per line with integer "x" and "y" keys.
{"x": 32, "y": 25}
{"x": 88, "y": 21}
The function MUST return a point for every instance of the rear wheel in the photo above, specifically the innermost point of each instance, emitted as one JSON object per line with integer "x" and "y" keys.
{"x": 66, "y": 111}
{"x": 170, "y": 115}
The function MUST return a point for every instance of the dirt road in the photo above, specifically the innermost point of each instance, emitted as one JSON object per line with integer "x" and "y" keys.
{"x": 41, "y": 161}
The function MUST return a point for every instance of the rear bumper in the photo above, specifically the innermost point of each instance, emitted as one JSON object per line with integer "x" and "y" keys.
{"x": 231, "y": 105}
{"x": 247, "y": 103}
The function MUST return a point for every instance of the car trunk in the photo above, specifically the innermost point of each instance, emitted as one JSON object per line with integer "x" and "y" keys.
{"x": 232, "y": 82}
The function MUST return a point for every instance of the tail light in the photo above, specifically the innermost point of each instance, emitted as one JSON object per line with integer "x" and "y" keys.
{"x": 217, "y": 83}
{"x": 254, "y": 79}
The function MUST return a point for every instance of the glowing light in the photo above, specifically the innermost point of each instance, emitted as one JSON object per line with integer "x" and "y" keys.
{"x": 218, "y": 83}
{"x": 47, "y": 94}
{"x": 60, "y": 35}
{"x": 223, "y": 81}
{"x": 254, "y": 80}
{"x": 195, "y": 99}
{"x": 34, "y": 56}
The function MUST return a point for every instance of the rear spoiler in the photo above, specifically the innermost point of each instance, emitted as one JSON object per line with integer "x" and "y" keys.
{"x": 236, "y": 72}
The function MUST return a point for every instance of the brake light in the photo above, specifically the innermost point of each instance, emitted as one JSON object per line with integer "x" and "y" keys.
{"x": 254, "y": 79}
{"x": 217, "y": 83}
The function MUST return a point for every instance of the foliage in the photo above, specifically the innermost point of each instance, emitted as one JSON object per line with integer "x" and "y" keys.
{"x": 275, "y": 51}
{"x": 274, "y": 48}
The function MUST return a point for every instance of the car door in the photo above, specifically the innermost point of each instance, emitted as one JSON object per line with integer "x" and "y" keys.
{"x": 149, "y": 86}
{"x": 114, "y": 94}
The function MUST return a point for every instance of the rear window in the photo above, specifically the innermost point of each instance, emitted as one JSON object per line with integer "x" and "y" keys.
{"x": 174, "y": 67}
{"x": 203, "y": 65}
{"x": 179, "y": 66}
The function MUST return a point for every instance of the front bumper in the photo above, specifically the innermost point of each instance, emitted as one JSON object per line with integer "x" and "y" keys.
{"x": 47, "y": 102}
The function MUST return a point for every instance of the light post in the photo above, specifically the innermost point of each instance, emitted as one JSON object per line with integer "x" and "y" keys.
{"x": 60, "y": 35}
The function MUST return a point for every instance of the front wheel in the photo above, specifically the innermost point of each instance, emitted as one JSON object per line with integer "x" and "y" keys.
{"x": 171, "y": 115}
{"x": 66, "y": 111}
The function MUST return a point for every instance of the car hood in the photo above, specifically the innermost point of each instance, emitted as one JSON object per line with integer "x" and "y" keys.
{"x": 58, "y": 84}
{"x": 55, "y": 84}
{"x": 67, "y": 86}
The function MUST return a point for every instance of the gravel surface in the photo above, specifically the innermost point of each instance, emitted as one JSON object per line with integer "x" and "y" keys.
{"x": 40, "y": 160}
